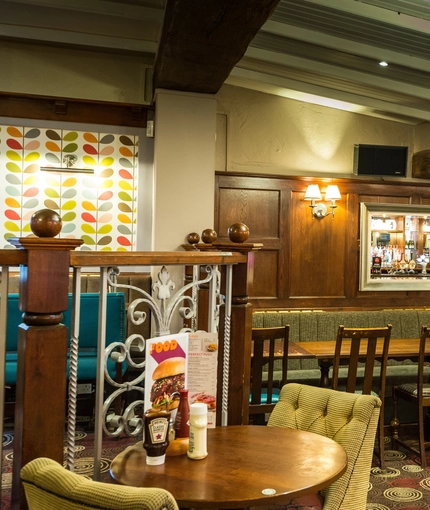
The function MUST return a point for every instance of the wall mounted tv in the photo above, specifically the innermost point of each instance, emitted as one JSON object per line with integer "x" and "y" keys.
{"x": 380, "y": 160}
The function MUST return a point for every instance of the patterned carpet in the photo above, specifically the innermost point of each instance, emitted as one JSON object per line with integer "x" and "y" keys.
{"x": 403, "y": 486}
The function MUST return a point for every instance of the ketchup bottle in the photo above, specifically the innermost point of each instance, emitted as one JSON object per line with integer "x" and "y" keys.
{"x": 182, "y": 421}
{"x": 156, "y": 438}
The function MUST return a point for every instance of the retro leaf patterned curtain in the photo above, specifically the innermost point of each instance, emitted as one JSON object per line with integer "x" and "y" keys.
{"x": 100, "y": 208}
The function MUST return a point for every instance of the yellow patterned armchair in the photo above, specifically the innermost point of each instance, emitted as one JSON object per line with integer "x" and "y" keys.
{"x": 349, "y": 419}
{"x": 48, "y": 486}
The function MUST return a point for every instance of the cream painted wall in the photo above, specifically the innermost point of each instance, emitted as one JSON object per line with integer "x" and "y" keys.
{"x": 184, "y": 164}
{"x": 184, "y": 170}
{"x": 269, "y": 134}
{"x": 422, "y": 137}
{"x": 63, "y": 72}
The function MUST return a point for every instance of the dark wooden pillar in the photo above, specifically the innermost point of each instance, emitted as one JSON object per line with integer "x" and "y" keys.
{"x": 240, "y": 335}
{"x": 40, "y": 411}
{"x": 241, "y": 318}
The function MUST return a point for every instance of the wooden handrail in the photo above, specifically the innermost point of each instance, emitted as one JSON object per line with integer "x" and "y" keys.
{"x": 137, "y": 258}
{"x": 13, "y": 258}
{"x": 153, "y": 258}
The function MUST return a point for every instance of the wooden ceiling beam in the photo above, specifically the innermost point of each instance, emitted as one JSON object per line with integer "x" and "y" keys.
{"x": 202, "y": 40}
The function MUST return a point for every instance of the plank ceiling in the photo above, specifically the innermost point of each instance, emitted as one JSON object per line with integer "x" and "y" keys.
{"x": 321, "y": 51}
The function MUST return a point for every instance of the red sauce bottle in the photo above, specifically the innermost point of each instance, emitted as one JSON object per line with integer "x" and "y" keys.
{"x": 156, "y": 438}
{"x": 182, "y": 421}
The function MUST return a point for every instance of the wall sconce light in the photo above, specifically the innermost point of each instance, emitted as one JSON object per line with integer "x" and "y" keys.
{"x": 320, "y": 210}
{"x": 69, "y": 161}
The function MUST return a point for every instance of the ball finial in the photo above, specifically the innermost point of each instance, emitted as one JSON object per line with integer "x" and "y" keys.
{"x": 46, "y": 223}
{"x": 193, "y": 238}
{"x": 209, "y": 236}
{"x": 238, "y": 232}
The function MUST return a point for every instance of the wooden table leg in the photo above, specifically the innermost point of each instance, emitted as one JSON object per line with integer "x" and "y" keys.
{"x": 325, "y": 365}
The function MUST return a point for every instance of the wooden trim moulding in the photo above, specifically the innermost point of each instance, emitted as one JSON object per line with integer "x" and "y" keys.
{"x": 320, "y": 178}
{"x": 73, "y": 110}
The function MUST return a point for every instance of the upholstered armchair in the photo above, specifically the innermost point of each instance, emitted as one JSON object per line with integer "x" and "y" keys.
{"x": 349, "y": 419}
{"x": 49, "y": 486}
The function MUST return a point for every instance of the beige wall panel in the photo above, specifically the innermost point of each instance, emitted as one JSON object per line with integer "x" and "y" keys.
{"x": 275, "y": 135}
{"x": 221, "y": 143}
{"x": 184, "y": 166}
{"x": 63, "y": 72}
{"x": 422, "y": 137}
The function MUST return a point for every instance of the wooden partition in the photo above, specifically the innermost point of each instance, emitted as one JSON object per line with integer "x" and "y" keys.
{"x": 309, "y": 263}
{"x": 43, "y": 341}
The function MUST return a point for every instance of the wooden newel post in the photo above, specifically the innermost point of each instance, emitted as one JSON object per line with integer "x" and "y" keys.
{"x": 240, "y": 325}
{"x": 41, "y": 388}
{"x": 240, "y": 339}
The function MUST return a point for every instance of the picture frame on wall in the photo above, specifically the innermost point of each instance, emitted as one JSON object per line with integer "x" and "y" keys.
{"x": 421, "y": 164}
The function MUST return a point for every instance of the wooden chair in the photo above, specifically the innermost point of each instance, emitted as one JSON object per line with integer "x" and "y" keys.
{"x": 350, "y": 420}
{"x": 49, "y": 486}
{"x": 348, "y": 342}
{"x": 418, "y": 394}
{"x": 270, "y": 345}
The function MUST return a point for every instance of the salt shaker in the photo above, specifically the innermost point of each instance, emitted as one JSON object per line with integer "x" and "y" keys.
{"x": 197, "y": 448}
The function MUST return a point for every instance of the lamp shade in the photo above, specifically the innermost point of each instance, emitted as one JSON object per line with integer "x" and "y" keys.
{"x": 313, "y": 192}
{"x": 332, "y": 192}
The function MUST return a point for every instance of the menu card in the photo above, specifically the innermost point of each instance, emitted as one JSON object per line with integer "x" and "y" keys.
{"x": 202, "y": 371}
{"x": 185, "y": 360}
{"x": 166, "y": 371}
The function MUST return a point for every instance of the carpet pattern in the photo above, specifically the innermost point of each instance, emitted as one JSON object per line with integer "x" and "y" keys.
{"x": 403, "y": 485}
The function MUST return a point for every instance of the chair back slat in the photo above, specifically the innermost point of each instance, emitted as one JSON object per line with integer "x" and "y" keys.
{"x": 269, "y": 346}
{"x": 424, "y": 338}
{"x": 370, "y": 365}
{"x": 360, "y": 344}
{"x": 416, "y": 393}
{"x": 349, "y": 343}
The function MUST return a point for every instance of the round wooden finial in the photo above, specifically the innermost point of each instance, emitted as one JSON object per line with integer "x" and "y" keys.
{"x": 193, "y": 238}
{"x": 46, "y": 223}
{"x": 238, "y": 232}
{"x": 209, "y": 236}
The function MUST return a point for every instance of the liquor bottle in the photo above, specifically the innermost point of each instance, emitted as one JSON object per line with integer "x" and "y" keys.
{"x": 182, "y": 421}
{"x": 376, "y": 264}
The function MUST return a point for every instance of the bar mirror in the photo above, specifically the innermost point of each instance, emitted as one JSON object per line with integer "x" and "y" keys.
{"x": 394, "y": 247}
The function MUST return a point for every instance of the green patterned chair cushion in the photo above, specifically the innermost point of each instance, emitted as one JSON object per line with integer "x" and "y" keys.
{"x": 347, "y": 418}
{"x": 49, "y": 486}
{"x": 413, "y": 389}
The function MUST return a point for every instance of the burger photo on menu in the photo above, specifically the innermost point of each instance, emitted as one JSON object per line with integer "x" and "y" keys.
{"x": 169, "y": 378}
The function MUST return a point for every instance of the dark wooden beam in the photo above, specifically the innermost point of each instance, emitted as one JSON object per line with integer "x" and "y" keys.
{"x": 202, "y": 40}
{"x": 73, "y": 110}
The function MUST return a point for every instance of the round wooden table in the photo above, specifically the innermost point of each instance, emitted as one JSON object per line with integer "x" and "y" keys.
{"x": 247, "y": 465}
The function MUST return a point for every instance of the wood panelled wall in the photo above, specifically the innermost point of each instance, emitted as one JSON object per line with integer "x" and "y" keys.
{"x": 305, "y": 263}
